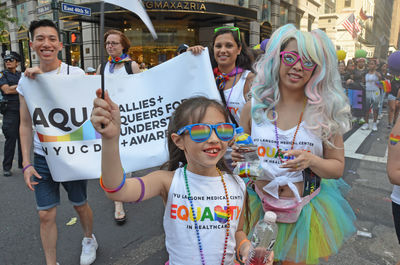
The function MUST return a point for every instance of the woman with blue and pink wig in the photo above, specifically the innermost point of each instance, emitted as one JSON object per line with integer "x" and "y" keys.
{"x": 297, "y": 116}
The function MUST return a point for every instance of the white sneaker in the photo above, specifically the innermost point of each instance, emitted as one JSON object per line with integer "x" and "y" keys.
{"x": 89, "y": 247}
{"x": 380, "y": 116}
{"x": 374, "y": 127}
{"x": 365, "y": 126}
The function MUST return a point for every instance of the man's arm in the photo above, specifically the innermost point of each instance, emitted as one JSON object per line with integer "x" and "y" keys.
{"x": 25, "y": 131}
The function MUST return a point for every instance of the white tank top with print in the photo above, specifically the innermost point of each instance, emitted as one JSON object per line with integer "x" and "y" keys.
{"x": 264, "y": 137}
{"x": 234, "y": 96}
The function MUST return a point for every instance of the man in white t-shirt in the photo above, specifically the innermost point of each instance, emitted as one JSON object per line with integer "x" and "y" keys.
{"x": 46, "y": 44}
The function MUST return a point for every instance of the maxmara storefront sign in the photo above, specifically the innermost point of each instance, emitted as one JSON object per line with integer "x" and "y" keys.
{"x": 199, "y": 7}
{"x": 175, "y": 5}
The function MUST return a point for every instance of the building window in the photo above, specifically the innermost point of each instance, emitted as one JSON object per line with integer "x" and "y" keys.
{"x": 283, "y": 17}
{"x": 266, "y": 10}
{"x": 298, "y": 19}
{"x": 310, "y": 22}
{"x": 347, "y": 3}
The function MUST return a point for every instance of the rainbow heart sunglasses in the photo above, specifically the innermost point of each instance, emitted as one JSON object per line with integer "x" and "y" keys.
{"x": 200, "y": 132}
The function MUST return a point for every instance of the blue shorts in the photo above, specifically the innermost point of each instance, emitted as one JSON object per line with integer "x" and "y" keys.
{"x": 391, "y": 97}
{"x": 47, "y": 191}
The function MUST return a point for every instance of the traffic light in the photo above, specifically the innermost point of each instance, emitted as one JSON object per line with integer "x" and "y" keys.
{"x": 75, "y": 37}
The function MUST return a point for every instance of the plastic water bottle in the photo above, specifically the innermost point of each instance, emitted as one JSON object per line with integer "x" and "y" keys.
{"x": 250, "y": 167}
{"x": 246, "y": 145}
{"x": 263, "y": 240}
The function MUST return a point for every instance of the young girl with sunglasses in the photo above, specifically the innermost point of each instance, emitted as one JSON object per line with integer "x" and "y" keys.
{"x": 297, "y": 116}
{"x": 232, "y": 66}
{"x": 203, "y": 201}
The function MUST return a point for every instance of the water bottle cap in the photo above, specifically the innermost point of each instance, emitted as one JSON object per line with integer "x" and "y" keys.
{"x": 270, "y": 217}
{"x": 239, "y": 130}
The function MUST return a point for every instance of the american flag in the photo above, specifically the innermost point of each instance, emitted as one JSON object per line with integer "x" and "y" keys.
{"x": 352, "y": 26}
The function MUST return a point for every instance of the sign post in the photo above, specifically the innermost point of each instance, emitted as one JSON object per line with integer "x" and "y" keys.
{"x": 75, "y": 9}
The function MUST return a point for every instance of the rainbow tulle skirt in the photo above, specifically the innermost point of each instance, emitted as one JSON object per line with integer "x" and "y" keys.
{"x": 323, "y": 226}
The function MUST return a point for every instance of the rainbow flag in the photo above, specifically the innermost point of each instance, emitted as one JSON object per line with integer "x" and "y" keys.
{"x": 387, "y": 87}
{"x": 394, "y": 139}
{"x": 84, "y": 133}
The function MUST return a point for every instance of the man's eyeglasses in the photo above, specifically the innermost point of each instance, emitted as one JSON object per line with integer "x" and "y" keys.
{"x": 200, "y": 132}
{"x": 9, "y": 60}
{"x": 231, "y": 28}
{"x": 291, "y": 58}
{"x": 112, "y": 43}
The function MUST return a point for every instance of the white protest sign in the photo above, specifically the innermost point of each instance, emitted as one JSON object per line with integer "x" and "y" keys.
{"x": 60, "y": 108}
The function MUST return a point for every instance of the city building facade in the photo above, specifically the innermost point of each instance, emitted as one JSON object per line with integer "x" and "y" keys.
{"x": 394, "y": 42}
{"x": 374, "y": 20}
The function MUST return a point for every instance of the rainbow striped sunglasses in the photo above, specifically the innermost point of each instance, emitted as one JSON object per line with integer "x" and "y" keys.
{"x": 200, "y": 132}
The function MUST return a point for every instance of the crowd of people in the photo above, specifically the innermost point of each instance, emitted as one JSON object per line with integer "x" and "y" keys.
{"x": 291, "y": 96}
{"x": 371, "y": 76}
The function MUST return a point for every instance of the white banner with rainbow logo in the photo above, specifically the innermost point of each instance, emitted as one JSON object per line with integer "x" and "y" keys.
{"x": 60, "y": 108}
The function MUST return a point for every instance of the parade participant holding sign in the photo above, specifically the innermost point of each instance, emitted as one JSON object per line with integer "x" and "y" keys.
{"x": 358, "y": 77}
{"x": 297, "y": 115}
{"x": 232, "y": 66}
{"x": 46, "y": 43}
{"x": 9, "y": 107}
{"x": 119, "y": 63}
{"x": 203, "y": 200}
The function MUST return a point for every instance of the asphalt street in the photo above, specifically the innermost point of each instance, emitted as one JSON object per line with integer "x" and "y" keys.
{"x": 141, "y": 239}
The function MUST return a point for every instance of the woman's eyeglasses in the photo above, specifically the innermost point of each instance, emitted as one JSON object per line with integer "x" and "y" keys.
{"x": 200, "y": 132}
{"x": 112, "y": 43}
{"x": 231, "y": 28}
{"x": 9, "y": 60}
{"x": 291, "y": 58}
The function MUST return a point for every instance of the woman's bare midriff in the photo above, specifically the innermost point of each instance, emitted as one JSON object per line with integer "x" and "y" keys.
{"x": 284, "y": 191}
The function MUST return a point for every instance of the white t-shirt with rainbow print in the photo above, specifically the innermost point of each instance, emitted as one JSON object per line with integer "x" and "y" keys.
{"x": 210, "y": 206}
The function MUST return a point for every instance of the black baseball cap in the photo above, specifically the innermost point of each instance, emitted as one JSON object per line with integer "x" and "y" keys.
{"x": 182, "y": 48}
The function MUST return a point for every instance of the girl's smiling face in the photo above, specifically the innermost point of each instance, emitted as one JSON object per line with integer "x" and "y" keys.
{"x": 202, "y": 157}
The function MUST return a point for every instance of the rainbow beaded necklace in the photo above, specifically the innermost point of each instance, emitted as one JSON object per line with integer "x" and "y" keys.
{"x": 203, "y": 262}
{"x": 279, "y": 152}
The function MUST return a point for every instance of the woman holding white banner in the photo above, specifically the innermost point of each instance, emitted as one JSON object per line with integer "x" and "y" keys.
{"x": 119, "y": 63}
{"x": 232, "y": 67}
{"x": 204, "y": 202}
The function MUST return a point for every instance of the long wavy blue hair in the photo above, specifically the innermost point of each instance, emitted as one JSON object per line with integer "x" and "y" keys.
{"x": 328, "y": 111}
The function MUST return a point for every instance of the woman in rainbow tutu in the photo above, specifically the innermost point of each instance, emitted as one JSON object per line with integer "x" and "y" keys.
{"x": 297, "y": 116}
